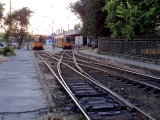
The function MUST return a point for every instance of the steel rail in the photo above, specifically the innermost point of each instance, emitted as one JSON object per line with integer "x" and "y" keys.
{"x": 104, "y": 70}
{"x": 64, "y": 86}
{"x": 137, "y": 81}
{"x": 75, "y": 62}
{"x": 129, "y": 71}
{"x": 102, "y": 86}
{"x": 141, "y": 111}
{"x": 112, "y": 93}
{"x": 125, "y": 70}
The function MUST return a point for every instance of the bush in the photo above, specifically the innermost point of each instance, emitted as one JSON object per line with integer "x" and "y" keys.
{"x": 6, "y": 49}
{"x": 1, "y": 51}
{"x": 98, "y": 52}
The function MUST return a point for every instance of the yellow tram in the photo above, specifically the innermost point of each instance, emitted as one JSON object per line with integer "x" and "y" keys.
{"x": 63, "y": 41}
{"x": 37, "y": 42}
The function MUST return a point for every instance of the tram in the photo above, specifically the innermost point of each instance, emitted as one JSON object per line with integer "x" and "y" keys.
{"x": 63, "y": 41}
{"x": 37, "y": 42}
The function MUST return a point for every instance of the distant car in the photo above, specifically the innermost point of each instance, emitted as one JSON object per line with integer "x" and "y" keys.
{"x": 2, "y": 45}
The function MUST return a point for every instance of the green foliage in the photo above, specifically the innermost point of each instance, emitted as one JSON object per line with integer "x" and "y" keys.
{"x": 1, "y": 51}
{"x": 129, "y": 18}
{"x": 93, "y": 18}
{"x": 71, "y": 104}
{"x": 98, "y": 52}
{"x": 1, "y": 9}
{"x": 15, "y": 24}
{"x": 59, "y": 92}
{"x": 77, "y": 26}
{"x": 6, "y": 49}
{"x": 81, "y": 117}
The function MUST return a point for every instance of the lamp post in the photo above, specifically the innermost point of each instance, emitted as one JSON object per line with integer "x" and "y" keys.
{"x": 39, "y": 29}
{"x": 68, "y": 27}
{"x": 68, "y": 24}
{"x": 48, "y": 30}
{"x": 52, "y": 27}
{"x": 52, "y": 22}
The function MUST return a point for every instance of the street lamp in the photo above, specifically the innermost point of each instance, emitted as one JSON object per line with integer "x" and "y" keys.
{"x": 68, "y": 27}
{"x": 48, "y": 30}
{"x": 52, "y": 27}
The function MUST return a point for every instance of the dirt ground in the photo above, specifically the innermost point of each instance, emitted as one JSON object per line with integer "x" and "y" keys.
{"x": 3, "y": 59}
{"x": 90, "y": 49}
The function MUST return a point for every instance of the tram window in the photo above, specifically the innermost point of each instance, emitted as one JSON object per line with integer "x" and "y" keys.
{"x": 67, "y": 40}
{"x": 40, "y": 40}
{"x": 36, "y": 39}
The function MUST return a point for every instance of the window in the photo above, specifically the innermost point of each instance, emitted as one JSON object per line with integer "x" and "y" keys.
{"x": 36, "y": 39}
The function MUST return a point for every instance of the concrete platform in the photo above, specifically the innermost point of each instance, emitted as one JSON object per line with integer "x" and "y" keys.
{"x": 21, "y": 93}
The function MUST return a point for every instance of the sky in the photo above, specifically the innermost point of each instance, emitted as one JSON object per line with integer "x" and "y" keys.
{"x": 48, "y": 14}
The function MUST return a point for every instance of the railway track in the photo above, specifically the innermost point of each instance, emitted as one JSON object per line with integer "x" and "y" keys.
{"x": 148, "y": 82}
{"x": 151, "y": 83}
{"x": 145, "y": 95}
{"x": 94, "y": 99}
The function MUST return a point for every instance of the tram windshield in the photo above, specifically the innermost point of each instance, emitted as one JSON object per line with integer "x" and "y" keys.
{"x": 68, "y": 40}
{"x": 36, "y": 39}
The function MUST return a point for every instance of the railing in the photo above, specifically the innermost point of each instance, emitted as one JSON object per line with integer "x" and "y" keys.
{"x": 146, "y": 47}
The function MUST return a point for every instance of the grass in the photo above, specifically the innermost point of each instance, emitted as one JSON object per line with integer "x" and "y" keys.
{"x": 111, "y": 54}
{"x": 60, "y": 92}
{"x": 71, "y": 104}
{"x": 142, "y": 98}
{"x": 98, "y": 52}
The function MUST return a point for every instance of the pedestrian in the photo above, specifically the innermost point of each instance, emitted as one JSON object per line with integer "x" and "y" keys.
{"x": 53, "y": 45}
{"x": 92, "y": 47}
{"x": 27, "y": 46}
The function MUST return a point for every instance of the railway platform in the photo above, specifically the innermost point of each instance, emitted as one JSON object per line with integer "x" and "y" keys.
{"x": 125, "y": 61}
{"x": 21, "y": 93}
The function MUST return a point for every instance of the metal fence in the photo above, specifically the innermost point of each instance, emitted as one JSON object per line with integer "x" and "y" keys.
{"x": 144, "y": 45}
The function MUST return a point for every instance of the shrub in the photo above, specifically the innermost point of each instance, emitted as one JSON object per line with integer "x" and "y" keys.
{"x": 8, "y": 49}
{"x": 1, "y": 51}
{"x": 98, "y": 52}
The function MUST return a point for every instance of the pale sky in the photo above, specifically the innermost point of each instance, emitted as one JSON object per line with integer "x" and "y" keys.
{"x": 46, "y": 12}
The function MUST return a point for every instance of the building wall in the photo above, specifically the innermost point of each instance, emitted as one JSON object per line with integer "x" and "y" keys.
{"x": 49, "y": 41}
{"x": 79, "y": 40}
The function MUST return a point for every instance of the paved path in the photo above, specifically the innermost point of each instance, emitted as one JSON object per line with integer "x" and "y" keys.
{"x": 20, "y": 90}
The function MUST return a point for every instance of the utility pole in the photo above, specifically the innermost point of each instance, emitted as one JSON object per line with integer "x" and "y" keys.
{"x": 52, "y": 27}
{"x": 68, "y": 27}
{"x": 48, "y": 30}
{"x": 10, "y": 26}
{"x": 10, "y": 6}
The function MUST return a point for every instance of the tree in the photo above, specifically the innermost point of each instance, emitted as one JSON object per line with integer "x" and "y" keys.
{"x": 77, "y": 26}
{"x": 15, "y": 24}
{"x": 129, "y": 17}
{"x": 93, "y": 18}
{"x": 1, "y": 17}
{"x": 20, "y": 21}
{"x": 1, "y": 10}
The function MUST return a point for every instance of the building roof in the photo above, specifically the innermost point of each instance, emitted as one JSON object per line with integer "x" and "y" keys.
{"x": 72, "y": 32}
